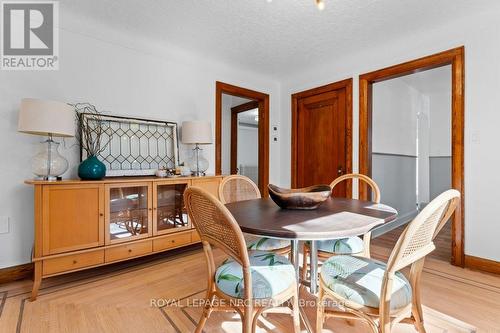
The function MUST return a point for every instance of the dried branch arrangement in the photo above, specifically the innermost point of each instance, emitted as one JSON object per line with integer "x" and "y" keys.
{"x": 90, "y": 129}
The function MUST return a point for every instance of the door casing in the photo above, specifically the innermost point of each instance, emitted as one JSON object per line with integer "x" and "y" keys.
{"x": 455, "y": 58}
{"x": 263, "y": 100}
{"x": 234, "y": 131}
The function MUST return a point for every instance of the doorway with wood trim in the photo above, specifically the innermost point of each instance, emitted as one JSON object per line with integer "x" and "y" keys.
{"x": 242, "y": 133}
{"x": 453, "y": 62}
{"x": 321, "y": 135}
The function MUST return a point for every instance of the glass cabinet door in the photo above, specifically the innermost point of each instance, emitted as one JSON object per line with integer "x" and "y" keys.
{"x": 169, "y": 212}
{"x": 129, "y": 212}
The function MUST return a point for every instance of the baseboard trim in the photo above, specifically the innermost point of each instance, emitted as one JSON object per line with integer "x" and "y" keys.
{"x": 14, "y": 273}
{"x": 482, "y": 264}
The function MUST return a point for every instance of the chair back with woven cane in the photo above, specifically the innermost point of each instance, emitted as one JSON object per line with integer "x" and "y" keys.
{"x": 374, "y": 187}
{"x": 416, "y": 241}
{"x": 414, "y": 244}
{"x": 375, "y": 198}
{"x": 366, "y": 237}
{"x": 217, "y": 227}
{"x": 237, "y": 188}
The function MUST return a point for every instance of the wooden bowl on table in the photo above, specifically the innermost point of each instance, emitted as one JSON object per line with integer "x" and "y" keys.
{"x": 301, "y": 198}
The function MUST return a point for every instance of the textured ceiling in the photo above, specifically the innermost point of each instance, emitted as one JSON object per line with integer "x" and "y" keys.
{"x": 274, "y": 37}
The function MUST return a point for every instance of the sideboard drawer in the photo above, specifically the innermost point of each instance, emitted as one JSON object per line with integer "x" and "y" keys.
{"x": 128, "y": 251}
{"x": 171, "y": 241}
{"x": 72, "y": 262}
{"x": 195, "y": 236}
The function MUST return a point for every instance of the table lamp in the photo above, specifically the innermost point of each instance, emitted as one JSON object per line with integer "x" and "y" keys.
{"x": 51, "y": 119}
{"x": 197, "y": 133}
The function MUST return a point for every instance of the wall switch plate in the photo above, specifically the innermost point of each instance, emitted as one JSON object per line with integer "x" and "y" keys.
{"x": 4, "y": 224}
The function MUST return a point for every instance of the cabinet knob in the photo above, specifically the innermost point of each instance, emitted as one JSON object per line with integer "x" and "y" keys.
{"x": 129, "y": 250}
{"x": 173, "y": 240}
{"x": 74, "y": 262}
{"x": 101, "y": 214}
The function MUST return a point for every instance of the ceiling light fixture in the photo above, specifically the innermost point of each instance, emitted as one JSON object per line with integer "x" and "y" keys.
{"x": 320, "y": 4}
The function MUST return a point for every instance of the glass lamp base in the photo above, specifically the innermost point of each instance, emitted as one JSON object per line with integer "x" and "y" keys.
{"x": 198, "y": 164}
{"x": 48, "y": 164}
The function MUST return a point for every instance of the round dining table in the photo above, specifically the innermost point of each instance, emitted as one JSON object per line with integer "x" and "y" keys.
{"x": 334, "y": 219}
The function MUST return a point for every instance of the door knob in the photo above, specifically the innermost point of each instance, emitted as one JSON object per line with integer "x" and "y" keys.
{"x": 340, "y": 171}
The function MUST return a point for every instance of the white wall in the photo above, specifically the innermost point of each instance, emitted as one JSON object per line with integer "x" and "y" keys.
{"x": 408, "y": 109}
{"x": 423, "y": 116}
{"x": 117, "y": 73}
{"x": 227, "y": 103}
{"x": 133, "y": 76}
{"x": 394, "y": 128}
{"x": 248, "y": 145}
{"x": 248, "y": 151}
{"x": 482, "y": 77}
{"x": 440, "y": 121}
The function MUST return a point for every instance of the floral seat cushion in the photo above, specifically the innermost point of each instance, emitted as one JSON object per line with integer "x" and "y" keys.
{"x": 271, "y": 275}
{"x": 257, "y": 243}
{"x": 351, "y": 245}
{"x": 359, "y": 280}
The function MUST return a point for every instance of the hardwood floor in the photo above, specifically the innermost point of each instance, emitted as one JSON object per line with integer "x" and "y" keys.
{"x": 442, "y": 242}
{"x": 122, "y": 298}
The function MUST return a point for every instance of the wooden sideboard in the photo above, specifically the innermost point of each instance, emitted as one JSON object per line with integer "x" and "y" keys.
{"x": 85, "y": 224}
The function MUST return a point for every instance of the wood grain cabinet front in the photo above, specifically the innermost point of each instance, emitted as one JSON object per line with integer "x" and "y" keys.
{"x": 72, "y": 262}
{"x": 83, "y": 224}
{"x": 195, "y": 236}
{"x": 210, "y": 184}
{"x": 72, "y": 218}
{"x": 128, "y": 251}
{"x": 170, "y": 242}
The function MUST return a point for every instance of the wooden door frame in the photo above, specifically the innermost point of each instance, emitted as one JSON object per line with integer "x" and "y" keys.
{"x": 234, "y": 130}
{"x": 455, "y": 58}
{"x": 344, "y": 84}
{"x": 263, "y": 100}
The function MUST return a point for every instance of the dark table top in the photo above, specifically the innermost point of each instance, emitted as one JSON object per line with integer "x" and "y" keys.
{"x": 335, "y": 218}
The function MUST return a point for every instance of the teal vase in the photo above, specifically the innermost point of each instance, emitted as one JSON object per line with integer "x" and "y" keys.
{"x": 91, "y": 169}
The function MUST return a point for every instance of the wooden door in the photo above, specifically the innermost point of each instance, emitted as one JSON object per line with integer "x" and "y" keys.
{"x": 73, "y": 217}
{"x": 322, "y": 137}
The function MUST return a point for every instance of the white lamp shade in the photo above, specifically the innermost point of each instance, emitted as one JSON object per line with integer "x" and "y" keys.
{"x": 42, "y": 117}
{"x": 196, "y": 132}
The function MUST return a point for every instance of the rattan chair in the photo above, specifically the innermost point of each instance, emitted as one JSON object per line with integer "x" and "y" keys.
{"x": 248, "y": 282}
{"x": 379, "y": 293}
{"x": 238, "y": 188}
{"x": 351, "y": 245}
